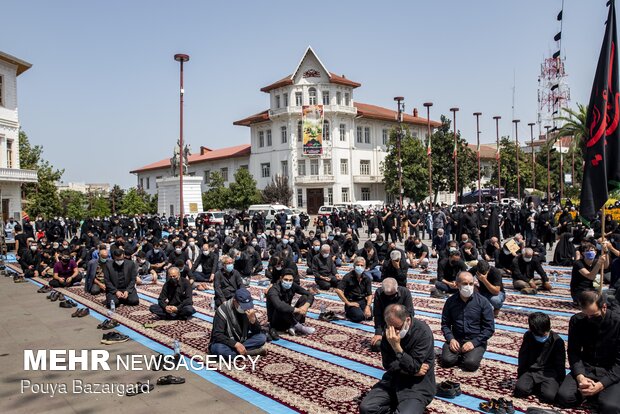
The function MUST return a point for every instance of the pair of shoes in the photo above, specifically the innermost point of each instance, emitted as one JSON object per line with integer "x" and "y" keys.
{"x": 110, "y": 338}
{"x": 448, "y": 389}
{"x": 108, "y": 324}
{"x": 170, "y": 379}
{"x": 54, "y": 296}
{"x": 437, "y": 294}
{"x": 67, "y": 303}
{"x": 304, "y": 330}
{"x": 529, "y": 291}
{"x": 508, "y": 384}
{"x": 80, "y": 313}
{"x": 327, "y": 316}
{"x": 274, "y": 334}
{"x": 44, "y": 289}
{"x": 257, "y": 352}
{"x": 18, "y": 279}
{"x": 497, "y": 406}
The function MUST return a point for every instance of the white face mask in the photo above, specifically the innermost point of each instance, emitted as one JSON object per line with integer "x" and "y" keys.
{"x": 119, "y": 262}
{"x": 527, "y": 259}
{"x": 466, "y": 291}
{"x": 404, "y": 331}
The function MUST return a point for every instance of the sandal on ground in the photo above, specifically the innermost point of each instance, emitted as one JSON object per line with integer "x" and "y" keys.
{"x": 170, "y": 379}
{"x": 140, "y": 388}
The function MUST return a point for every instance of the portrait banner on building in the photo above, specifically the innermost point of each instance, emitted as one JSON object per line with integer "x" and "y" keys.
{"x": 312, "y": 124}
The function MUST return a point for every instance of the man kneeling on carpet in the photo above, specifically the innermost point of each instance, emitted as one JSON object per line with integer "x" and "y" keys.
{"x": 467, "y": 324}
{"x": 175, "y": 300}
{"x": 355, "y": 290}
{"x": 542, "y": 358}
{"x": 408, "y": 354}
{"x": 120, "y": 280}
{"x": 282, "y": 315}
{"x": 388, "y": 294}
{"x": 236, "y": 329}
{"x": 66, "y": 272}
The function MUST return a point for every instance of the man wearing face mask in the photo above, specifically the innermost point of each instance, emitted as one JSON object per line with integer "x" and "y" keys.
{"x": 395, "y": 268}
{"x": 156, "y": 257}
{"x": 447, "y": 271}
{"x": 355, "y": 290}
{"x": 324, "y": 269}
{"x": 593, "y": 356}
{"x": 542, "y": 358}
{"x": 467, "y": 324}
{"x": 439, "y": 243}
{"x": 283, "y": 316}
{"x": 408, "y": 355}
{"x": 227, "y": 281}
{"x": 586, "y": 270}
{"x": 388, "y": 294}
{"x": 120, "y": 280}
{"x": 242, "y": 264}
{"x": 95, "y": 277}
{"x": 175, "y": 299}
{"x": 523, "y": 269}
{"x": 66, "y": 272}
{"x": 31, "y": 261}
{"x": 417, "y": 253}
{"x": 205, "y": 266}
{"x": 236, "y": 329}
{"x": 315, "y": 250}
{"x": 176, "y": 254}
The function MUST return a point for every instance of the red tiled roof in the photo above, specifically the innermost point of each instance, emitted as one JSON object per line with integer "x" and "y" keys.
{"x": 253, "y": 119}
{"x": 333, "y": 78}
{"x": 385, "y": 114}
{"x": 228, "y": 152}
{"x": 487, "y": 151}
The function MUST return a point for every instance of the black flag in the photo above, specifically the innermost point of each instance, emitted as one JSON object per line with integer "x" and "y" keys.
{"x": 556, "y": 54}
{"x": 560, "y": 15}
{"x": 557, "y": 36}
{"x": 602, "y": 155}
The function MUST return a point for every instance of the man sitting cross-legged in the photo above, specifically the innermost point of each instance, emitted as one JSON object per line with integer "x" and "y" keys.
{"x": 120, "y": 280}
{"x": 281, "y": 313}
{"x": 175, "y": 300}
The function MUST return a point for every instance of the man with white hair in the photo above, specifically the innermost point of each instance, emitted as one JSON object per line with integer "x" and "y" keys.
{"x": 395, "y": 268}
{"x": 467, "y": 324}
{"x": 324, "y": 269}
{"x": 355, "y": 290}
{"x": 523, "y": 269}
{"x": 388, "y": 294}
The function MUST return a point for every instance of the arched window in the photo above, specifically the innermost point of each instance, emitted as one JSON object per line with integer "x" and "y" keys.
{"x": 299, "y": 132}
{"x": 312, "y": 96}
{"x": 326, "y": 133}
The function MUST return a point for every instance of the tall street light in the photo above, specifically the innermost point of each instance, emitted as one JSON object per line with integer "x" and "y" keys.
{"x": 181, "y": 58}
{"x": 516, "y": 122}
{"x": 429, "y": 151}
{"x": 401, "y": 109}
{"x": 547, "y": 127}
{"x": 531, "y": 124}
{"x": 456, "y": 160}
{"x": 499, "y": 162}
{"x": 477, "y": 115}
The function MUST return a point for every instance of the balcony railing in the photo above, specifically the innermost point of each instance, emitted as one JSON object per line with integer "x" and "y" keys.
{"x": 18, "y": 175}
{"x": 367, "y": 179}
{"x": 305, "y": 179}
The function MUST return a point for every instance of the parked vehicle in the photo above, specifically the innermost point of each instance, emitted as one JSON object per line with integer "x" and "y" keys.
{"x": 270, "y": 211}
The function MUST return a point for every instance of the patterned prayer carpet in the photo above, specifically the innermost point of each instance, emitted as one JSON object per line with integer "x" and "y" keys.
{"x": 331, "y": 370}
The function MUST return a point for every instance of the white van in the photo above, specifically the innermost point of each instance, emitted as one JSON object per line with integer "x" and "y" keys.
{"x": 270, "y": 211}
{"x": 371, "y": 204}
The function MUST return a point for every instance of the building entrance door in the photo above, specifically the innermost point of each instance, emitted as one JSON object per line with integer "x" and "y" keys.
{"x": 315, "y": 199}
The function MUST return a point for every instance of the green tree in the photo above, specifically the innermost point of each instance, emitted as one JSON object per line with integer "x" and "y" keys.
{"x": 217, "y": 196}
{"x": 278, "y": 191}
{"x": 243, "y": 192}
{"x": 116, "y": 198}
{"x": 98, "y": 205}
{"x": 153, "y": 204}
{"x": 73, "y": 204}
{"x": 574, "y": 126}
{"x": 41, "y": 198}
{"x": 134, "y": 202}
{"x": 414, "y": 164}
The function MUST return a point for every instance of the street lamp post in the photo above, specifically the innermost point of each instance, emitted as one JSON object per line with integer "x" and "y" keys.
{"x": 181, "y": 58}
{"x": 531, "y": 124}
{"x": 456, "y": 160}
{"x": 547, "y": 127}
{"x": 428, "y": 151}
{"x": 401, "y": 109}
{"x": 477, "y": 115}
{"x": 516, "y": 122}
{"x": 499, "y": 162}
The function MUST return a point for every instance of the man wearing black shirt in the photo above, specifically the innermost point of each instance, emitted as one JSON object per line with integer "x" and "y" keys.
{"x": 281, "y": 313}
{"x": 120, "y": 280}
{"x": 355, "y": 290}
{"x": 388, "y": 294}
{"x": 490, "y": 284}
{"x": 175, "y": 300}
{"x": 467, "y": 324}
{"x": 586, "y": 269}
{"x": 447, "y": 271}
{"x": 593, "y": 356}
{"x": 523, "y": 269}
{"x": 324, "y": 269}
{"x": 417, "y": 253}
{"x": 408, "y": 354}
{"x": 395, "y": 268}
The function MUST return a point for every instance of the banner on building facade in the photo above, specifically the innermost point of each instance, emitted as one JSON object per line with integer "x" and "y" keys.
{"x": 312, "y": 124}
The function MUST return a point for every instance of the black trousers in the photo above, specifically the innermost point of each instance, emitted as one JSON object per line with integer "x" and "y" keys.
{"x": 608, "y": 399}
{"x": 56, "y": 284}
{"x": 95, "y": 289}
{"x": 469, "y": 361}
{"x": 132, "y": 299}
{"x": 324, "y": 284}
{"x": 542, "y": 384}
{"x": 182, "y": 313}
{"x": 382, "y": 400}
{"x": 354, "y": 313}
{"x": 282, "y": 321}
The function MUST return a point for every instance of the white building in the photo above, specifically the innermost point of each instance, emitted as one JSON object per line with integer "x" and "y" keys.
{"x": 11, "y": 176}
{"x": 84, "y": 188}
{"x": 354, "y": 141}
